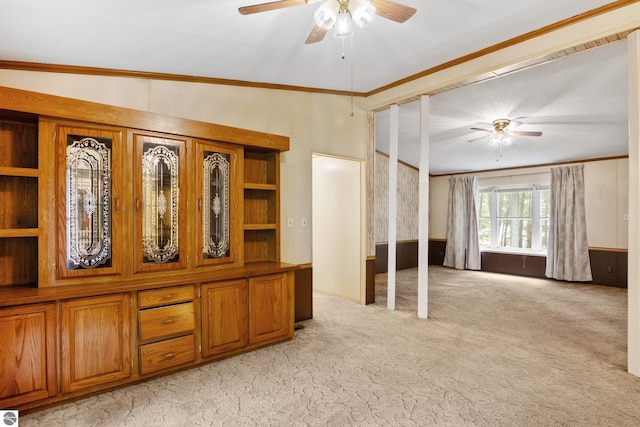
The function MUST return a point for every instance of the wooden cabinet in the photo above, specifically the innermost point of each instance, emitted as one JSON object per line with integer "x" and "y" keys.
{"x": 95, "y": 341}
{"x": 88, "y": 194}
{"x": 219, "y": 213}
{"x": 123, "y": 216}
{"x": 224, "y": 309}
{"x": 261, "y": 206}
{"x": 269, "y": 308}
{"x": 27, "y": 354}
{"x": 161, "y": 192}
{"x": 19, "y": 176}
{"x": 167, "y": 323}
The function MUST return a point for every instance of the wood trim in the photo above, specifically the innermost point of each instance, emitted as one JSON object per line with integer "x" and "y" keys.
{"x": 109, "y": 72}
{"x": 573, "y": 162}
{"x": 596, "y": 248}
{"x": 73, "y": 109}
{"x": 508, "y": 43}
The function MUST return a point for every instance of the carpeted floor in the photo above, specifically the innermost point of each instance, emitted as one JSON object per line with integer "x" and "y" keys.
{"x": 496, "y": 350}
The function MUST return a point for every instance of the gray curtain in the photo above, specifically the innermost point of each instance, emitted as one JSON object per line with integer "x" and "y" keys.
{"x": 567, "y": 248}
{"x": 463, "y": 249}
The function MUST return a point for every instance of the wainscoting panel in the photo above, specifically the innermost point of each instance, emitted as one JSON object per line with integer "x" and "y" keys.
{"x": 304, "y": 293}
{"x": 519, "y": 265}
{"x": 608, "y": 266}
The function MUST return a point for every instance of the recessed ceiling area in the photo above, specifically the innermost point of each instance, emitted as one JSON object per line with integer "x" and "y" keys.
{"x": 578, "y": 102}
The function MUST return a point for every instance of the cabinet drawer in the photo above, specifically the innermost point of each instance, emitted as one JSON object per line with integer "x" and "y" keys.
{"x": 164, "y": 354}
{"x": 166, "y": 321}
{"x": 165, "y": 296}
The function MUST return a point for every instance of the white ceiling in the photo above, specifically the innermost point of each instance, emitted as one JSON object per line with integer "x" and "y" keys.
{"x": 578, "y": 102}
{"x": 209, "y": 38}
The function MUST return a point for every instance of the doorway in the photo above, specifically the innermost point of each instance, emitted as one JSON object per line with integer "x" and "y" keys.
{"x": 338, "y": 243}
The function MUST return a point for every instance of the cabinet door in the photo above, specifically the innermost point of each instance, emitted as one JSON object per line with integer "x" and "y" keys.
{"x": 27, "y": 354}
{"x": 269, "y": 307}
{"x": 88, "y": 197}
{"x": 160, "y": 203}
{"x": 219, "y": 208}
{"x": 96, "y": 347}
{"x": 224, "y": 308}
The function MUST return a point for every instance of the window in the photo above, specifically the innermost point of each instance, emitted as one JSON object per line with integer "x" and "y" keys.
{"x": 514, "y": 218}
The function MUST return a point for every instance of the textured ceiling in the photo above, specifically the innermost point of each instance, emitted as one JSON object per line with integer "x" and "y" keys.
{"x": 209, "y": 38}
{"x": 578, "y": 102}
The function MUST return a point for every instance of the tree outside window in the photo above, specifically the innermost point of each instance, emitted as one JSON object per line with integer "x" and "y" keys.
{"x": 514, "y": 218}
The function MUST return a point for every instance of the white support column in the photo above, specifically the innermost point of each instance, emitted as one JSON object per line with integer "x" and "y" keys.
{"x": 393, "y": 207}
{"x": 423, "y": 211}
{"x": 633, "y": 282}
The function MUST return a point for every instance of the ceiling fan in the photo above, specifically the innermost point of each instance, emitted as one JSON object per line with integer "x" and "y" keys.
{"x": 339, "y": 15}
{"x": 503, "y": 130}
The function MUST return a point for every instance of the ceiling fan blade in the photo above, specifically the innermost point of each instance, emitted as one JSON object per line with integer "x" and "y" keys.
{"x": 479, "y": 138}
{"x": 393, "y": 11}
{"x": 264, "y": 7}
{"x": 316, "y": 35}
{"x": 514, "y": 124}
{"x": 527, "y": 133}
{"x": 483, "y": 130}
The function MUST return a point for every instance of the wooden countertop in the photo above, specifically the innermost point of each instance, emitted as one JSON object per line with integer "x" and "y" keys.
{"x": 21, "y": 295}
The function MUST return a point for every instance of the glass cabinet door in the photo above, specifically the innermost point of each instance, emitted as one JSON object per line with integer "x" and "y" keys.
{"x": 160, "y": 203}
{"x": 88, "y": 199}
{"x": 218, "y": 192}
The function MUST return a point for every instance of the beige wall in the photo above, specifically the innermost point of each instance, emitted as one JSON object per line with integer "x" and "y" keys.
{"x": 314, "y": 122}
{"x": 606, "y": 198}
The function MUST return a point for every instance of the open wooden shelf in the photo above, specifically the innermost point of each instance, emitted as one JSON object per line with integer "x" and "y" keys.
{"x": 18, "y": 232}
{"x": 19, "y": 172}
{"x": 256, "y": 186}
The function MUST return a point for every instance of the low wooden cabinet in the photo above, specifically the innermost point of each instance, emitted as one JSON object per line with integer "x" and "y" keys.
{"x": 166, "y": 327}
{"x": 269, "y": 308}
{"x": 224, "y": 325}
{"x": 95, "y": 341}
{"x": 27, "y": 354}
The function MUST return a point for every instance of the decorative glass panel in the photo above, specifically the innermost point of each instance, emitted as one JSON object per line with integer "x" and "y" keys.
{"x": 88, "y": 202}
{"x": 215, "y": 206}
{"x": 160, "y": 195}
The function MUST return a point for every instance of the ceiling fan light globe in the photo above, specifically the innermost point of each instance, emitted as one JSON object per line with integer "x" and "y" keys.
{"x": 343, "y": 26}
{"x": 325, "y": 16}
{"x": 362, "y": 12}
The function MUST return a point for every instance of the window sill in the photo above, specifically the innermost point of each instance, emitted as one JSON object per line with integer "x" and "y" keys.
{"x": 514, "y": 252}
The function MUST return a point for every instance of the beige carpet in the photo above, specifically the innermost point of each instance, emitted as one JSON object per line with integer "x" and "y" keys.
{"x": 496, "y": 350}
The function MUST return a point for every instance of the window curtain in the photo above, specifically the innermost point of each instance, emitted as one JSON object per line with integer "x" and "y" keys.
{"x": 567, "y": 248}
{"x": 463, "y": 249}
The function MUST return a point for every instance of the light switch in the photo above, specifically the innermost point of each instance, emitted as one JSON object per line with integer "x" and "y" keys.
{"x": 303, "y": 222}
{"x": 290, "y": 222}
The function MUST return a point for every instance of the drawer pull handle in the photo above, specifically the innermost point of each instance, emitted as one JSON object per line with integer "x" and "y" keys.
{"x": 168, "y": 296}
{"x": 169, "y": 321}
{"x": 169, "y": 355}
